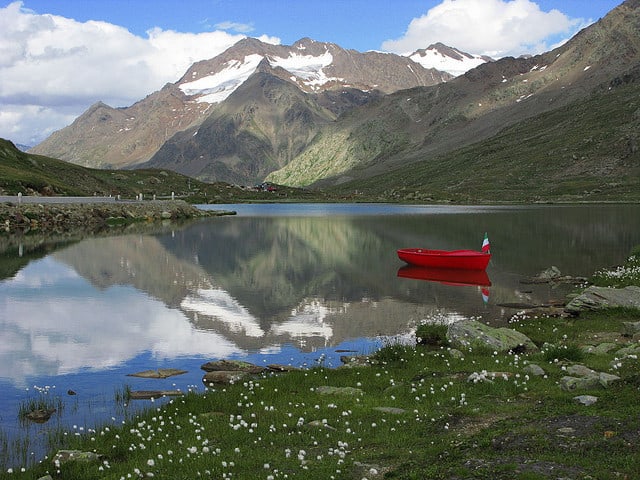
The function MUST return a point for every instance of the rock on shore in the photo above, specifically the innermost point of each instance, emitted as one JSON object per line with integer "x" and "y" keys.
{"x": 67, "y": 216}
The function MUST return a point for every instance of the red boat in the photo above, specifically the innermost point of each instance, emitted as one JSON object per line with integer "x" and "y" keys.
{"x": 462, "y": 259}
{"x": 446, "y": 276}
{"x": 459, "y": 259}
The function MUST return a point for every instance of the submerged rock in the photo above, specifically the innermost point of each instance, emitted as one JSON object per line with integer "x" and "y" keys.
{"x": 151, "y": 394}
{"x": 40, "y": 415}
{"x": 231, "y": 366}
{"x": 160, "y": 373}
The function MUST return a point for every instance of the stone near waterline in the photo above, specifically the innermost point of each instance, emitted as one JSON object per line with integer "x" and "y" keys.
{"x": 595, "y": 298}
{"x": 553, "y": 275}
{"x": 153, "y": 394}
{"x": 40, "y": 415}
{"x": 221, "y": 377}
{"x": 232, "y": 366}
{"x": 533, "y": 369}
{"x": 276, "y": 367}
{"x": 586, "y": 399}
{"x": 350, "y": 361}
{"x": 471, "y": 333}
{"x": 64, "y": 456}
{"x": 160, "y": 373}
{"x": 346, "y": 391}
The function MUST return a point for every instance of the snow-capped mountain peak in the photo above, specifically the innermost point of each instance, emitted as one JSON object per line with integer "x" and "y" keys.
{"x": 312, "y": 66}
{"x": 447, "y": 59}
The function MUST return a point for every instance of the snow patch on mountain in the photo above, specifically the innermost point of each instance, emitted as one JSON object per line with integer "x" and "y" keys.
{"x": 215, "y": 88}
{"x": 306, "y": 67}
{"x": 447, "y": 59}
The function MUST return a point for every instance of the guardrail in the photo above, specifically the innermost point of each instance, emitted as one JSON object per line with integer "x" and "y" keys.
{"x": 24, "y": 199}
{"x": 20, "y": 199}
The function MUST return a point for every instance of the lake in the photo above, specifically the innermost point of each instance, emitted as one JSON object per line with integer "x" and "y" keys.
{"x": 277, "y": 283}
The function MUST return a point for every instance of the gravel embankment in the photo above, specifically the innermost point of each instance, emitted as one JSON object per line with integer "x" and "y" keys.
{"x": 68, "y": 216}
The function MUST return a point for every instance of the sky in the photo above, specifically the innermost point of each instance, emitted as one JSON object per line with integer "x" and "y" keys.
{"x": 58, "y": 57}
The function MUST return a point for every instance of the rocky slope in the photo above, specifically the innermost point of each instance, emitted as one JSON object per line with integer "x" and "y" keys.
{"x": 418, "y": 124}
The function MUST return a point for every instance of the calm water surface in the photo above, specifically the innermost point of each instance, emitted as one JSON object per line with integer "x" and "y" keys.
{"x": 293, "y": 284}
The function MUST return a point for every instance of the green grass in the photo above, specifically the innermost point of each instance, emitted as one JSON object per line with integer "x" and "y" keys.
{"x": 578, "y": 153}
{"x": 620, "y": 276}
{"x": 36, "y": 174}
{"x": 281, "y": 426}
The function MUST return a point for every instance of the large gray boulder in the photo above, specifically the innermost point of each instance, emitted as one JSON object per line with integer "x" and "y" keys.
{"x": 594, "y": 298}
{"x": 471, "y": 333}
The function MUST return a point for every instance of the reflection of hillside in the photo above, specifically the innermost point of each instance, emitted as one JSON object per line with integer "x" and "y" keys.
{"x": 137, "y": 260}
{"x": 270, "y": 266}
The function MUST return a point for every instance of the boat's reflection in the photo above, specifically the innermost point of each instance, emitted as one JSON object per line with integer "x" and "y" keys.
{"x": 450, "y": 276}
{"x": 447, "y": 276}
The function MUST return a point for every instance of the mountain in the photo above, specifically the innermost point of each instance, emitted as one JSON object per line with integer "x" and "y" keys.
{"x": 447, "y": 59}
{"x": 319, "y": 81}
{"x": 412, "y": 129}
{"x": 22, "y": 147}
{"x": 314, "y": 114}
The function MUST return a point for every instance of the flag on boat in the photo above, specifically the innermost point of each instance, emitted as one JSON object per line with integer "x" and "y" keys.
{"x": 485, "y": 244}
{"x": 485, "y": 294}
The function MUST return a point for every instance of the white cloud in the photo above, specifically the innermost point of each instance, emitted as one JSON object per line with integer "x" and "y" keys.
{"x": 235, "y": 26}
{"x": 497, "y": 28}
{"x": 52, "y": 68}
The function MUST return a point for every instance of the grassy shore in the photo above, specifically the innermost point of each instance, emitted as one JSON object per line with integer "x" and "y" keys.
{"x": 411, "y": 413}
{"x": 423, "y": 411}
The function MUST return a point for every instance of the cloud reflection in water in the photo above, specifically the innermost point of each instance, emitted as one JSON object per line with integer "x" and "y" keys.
{"x": 89, "y": 328}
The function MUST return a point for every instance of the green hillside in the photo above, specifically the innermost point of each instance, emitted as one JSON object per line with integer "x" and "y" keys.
{"x": 40, "y": 175}
{"x": 586, "y": 151}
